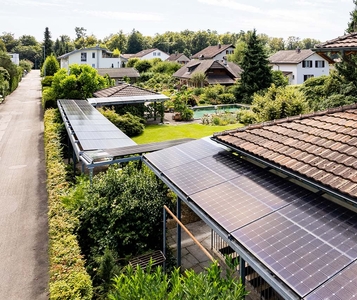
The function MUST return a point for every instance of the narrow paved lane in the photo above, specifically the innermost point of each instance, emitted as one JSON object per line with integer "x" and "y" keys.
{"x": 23, "y": 197}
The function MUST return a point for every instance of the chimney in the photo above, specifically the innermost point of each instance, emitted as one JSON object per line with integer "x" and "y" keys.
{"x": 219, "y": 45}
{"x": 298, "y": 49}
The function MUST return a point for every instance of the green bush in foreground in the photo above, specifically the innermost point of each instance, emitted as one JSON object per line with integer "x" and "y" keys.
{"x": 155, "y": 284}
{"x": 68, "y": 277}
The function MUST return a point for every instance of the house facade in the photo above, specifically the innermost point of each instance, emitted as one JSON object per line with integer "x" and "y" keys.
{"x": 217, "y": 52}
{"x": 150, "y": 54}
{"x": 299, "y": 65}
{"x": 95, "y": 57}
{"x": 15, "y": 58}
{"x": 179, "y": 58}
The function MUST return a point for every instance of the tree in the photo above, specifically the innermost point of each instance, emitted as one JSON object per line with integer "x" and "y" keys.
{"x": 47, "y": 43}
{"x": 79, "y": 83}
{"x": 51, "y": 66}
{"x": 275, "y": 44}
{"x": 9, "y": 40}
{"x": 256, "y": 73}
{"x": 135, "y": 42}
{"x": 292, "y": 43}
{"x": 198, "y": 79}
{"x": 279, "y": 79}
{"x": 238, "y": 53}
{"x": 2, "y": 46}
{"x": 117, "y": 41}
{"x": 143, "y": 65}
{"x": 81, "y": 34}
{"x": 352, "y": 24}
{"x": 13, "y": 71}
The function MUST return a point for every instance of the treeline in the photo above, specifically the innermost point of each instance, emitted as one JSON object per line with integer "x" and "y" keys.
{"x": 186, "y": 41}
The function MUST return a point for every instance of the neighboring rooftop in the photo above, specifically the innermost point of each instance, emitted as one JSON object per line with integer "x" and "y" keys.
{"x": 84, "y": 49}
{"x": 211, "y": 51}
{"x": 123, "y": 90}
{"x": 290, "y": 56}
{"x": 119, "y": 72}
{"x": 320, "y": 148}
{"x": 177, "y": 56}
{"x": 145, "y": 52}
{"x": 345, "y": 42}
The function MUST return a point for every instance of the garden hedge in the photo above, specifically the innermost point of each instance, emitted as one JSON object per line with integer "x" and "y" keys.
{"x": 68, "y": 277}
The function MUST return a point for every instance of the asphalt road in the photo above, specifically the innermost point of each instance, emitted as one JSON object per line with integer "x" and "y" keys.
{"x": 23, "y": 197}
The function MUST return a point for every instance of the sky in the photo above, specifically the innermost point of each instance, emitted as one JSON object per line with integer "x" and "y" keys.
{"x": 319, "y": 19}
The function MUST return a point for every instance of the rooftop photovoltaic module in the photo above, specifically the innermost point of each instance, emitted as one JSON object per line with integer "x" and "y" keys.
{"x": 306, "y": 241}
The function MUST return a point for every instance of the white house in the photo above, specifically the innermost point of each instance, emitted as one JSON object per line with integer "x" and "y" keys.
{"x": 151, "y": 53}
{"x": 217, "y": 52}
{"x": 96, "y": 57}
{"x": 299, "y": 65}
{"x": 14, "y": 58}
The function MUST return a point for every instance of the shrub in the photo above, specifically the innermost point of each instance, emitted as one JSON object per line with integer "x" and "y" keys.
{"x": 131, "y": 62}
{"x": 47, "y": 81}
{"x": 226, "y": 98}
{"x": 26, "y": 65}
{"x": 142, "y": 65}
{"x": 48, "y": 98}
{"x": 51, "y": 66}
{"x": 246, "y": 117}
{"x": 68, "y": 277}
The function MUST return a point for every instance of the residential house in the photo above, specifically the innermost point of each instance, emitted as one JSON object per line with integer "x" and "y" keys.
{"x": 15, "y": 58}
{"x": 224, "y": 73}
{"x": 217, "y": 52}
{"x": 280, "y": 197}
{"x": 299, "y": 65}
{"x": 149, "y": 54}
{"x": 346, "y": 44}
{"x": 96, "y": 57}
{"x": 119, "y": 74}
{"x": 179, "y": 58}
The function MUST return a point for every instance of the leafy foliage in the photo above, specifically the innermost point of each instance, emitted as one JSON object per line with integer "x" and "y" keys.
{"x": 143, "y": 65}
{"x": 14, "y": 72}
{"x": 68, "y": 277}
{"x": 51, "y": 66}
{"x": 81, "y": 82}
{"x": 26, "y": 65}
{"x": 131, "y": 125}
{"x": 153, "y": 283}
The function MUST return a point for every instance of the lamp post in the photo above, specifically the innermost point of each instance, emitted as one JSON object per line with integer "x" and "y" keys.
{"x": 44, "y": 58}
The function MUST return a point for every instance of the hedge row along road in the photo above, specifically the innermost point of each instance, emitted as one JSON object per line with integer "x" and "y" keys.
{"x": 23, "y": 197}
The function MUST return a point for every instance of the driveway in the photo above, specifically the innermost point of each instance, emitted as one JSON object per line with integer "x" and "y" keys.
{"x": 23, "y": 197}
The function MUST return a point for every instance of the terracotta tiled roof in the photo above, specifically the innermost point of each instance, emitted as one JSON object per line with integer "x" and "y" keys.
{"x": 196, "y": 66}
{"x": 345, "y": 41}
{"x": 123, "y": 90}
{"x": 290, "y": 56}
{"x": 320, "y": 147}
{"x": 212, "y": 51}
{"x": 119, "y": 72}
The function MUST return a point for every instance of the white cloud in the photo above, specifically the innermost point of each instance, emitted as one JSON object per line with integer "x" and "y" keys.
{"x": 127, "y": 16}
{"x": 32, "y": 3}
{"x": 232, "y": 5}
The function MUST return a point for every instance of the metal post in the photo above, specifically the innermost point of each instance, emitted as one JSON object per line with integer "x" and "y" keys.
{"x": 242, "y": 269}
{"x": 178, "y": 214}
{"x": 162, "y": 112}
{"x": 154, "y": 111}
{"x": 74, "y": 161}
{"x": 82, "y": 169}
{"x": 164, "y": 238}
{"x": 69, "y": 149}
{"x": 91, "y": 176}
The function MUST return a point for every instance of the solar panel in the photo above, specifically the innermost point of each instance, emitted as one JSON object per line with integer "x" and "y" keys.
{"x": 91, "y": 128}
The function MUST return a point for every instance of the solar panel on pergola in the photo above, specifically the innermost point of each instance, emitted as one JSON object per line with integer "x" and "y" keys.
{"x": 92, "y": 130}
{"x": 303, "y": 239}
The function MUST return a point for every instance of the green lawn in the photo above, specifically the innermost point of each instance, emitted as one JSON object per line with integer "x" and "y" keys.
{"x": 159, "y": 133}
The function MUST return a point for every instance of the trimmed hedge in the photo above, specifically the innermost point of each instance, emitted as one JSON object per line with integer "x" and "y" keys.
{"x": 68, "y": 277}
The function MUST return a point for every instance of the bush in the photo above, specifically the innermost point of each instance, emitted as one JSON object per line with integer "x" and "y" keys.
{"x": 51, "y": 66}
{"x": 48, "y": 98}
{"x": 26, "y": 65}
{"x": 47, "y": 81}
{"x": 129, "y": 124}
{"x": 246, "y": 117}
{"x": 226, "y": 98}
{"x": 131, "y": 62}
{"x": 142, "y": 65}
{"x": 68, "y": 277}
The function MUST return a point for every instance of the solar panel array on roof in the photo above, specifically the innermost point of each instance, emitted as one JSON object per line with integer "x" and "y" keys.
{"x": 91, "y": 128}
{"x": 301, "y": 237}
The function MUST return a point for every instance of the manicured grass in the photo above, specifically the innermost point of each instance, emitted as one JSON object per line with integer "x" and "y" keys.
{"x": 159, "y": 133}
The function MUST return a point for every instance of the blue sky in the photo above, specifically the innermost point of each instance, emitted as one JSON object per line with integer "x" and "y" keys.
{"x": 318, "y": 19}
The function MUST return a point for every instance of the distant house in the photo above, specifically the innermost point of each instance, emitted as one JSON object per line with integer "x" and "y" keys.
{"x": 15, "y": 58}
{"x": 226, "y": 73}
{"x": 179, "y": 58}
{"x": 218, "y": 52}
{"x": 96, "y": 57}
{"x": 299, "y": 65}
{"x": 149, "y": 54}
{"x": 119, "y": 74}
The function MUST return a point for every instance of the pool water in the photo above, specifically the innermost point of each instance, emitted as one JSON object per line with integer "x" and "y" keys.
{"x": 200, "y": 111}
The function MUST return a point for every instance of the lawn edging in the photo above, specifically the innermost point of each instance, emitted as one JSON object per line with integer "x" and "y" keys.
{"x": 68, "y": 276}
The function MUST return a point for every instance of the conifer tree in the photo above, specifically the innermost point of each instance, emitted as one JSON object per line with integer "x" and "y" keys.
{"x": 256, "y": 74}
{"x": 352, "y": 25}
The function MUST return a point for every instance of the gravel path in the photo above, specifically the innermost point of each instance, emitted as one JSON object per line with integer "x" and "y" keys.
{"x": 23, "y": 197}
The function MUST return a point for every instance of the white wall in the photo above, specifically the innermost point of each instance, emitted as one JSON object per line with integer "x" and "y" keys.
{"x": 96, "y": 62}
{"x": 220, "y": 56}
{"x": 15, "y": 58}
{"x": 156, "y": 54}
{"x": 299, "y": 72}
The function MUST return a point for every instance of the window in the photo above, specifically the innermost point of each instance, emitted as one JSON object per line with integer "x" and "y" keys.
{"x": 93, "y": 54}
{"x": 307, "y": 64}
{"x": 229, "y": 51}
{"x": 307, "y": 77}
{"x": 83, "y": 56}
{"x": 158, "y": 53}
{"x": 320, "y": 64}
{"x": 154, "y": 53}
{"x": 93, "y": 65}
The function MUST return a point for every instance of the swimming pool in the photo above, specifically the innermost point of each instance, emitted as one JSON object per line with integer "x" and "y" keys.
{"x": 200, "y": 111}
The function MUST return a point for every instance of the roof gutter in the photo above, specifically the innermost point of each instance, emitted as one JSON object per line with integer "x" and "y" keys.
{"x": 291, "y": 174}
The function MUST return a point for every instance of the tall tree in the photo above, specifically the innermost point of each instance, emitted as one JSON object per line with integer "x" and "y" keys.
{"x": 257, "y": 73}
{"x": 352, "y": 24}
{"x": 47, "y": 43}
{"x": 9, "y": 40}
{"x": 135, "y": 42}
{"x": 117, "y": 41}
{"x": 81, "y": 34}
